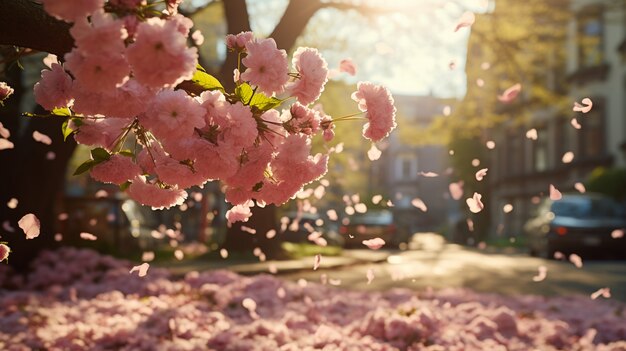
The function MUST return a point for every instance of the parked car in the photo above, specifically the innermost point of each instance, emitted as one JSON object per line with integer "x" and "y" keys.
{"x": 576, "y": 223}
{"x": 370, "y": 225}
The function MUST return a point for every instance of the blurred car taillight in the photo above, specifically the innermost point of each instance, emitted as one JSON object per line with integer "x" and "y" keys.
{"x": 560, "y": 230}
{"x": 343, "y": 229}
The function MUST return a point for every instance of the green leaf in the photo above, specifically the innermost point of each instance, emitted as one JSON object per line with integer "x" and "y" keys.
{"x": 66, "y": 129}
{"x": 126, "y": 153}
{"x": 206, "y": 81}
{"x": 85, "y": 166}
{"x": 61, "y": 112}
{"x": 124, "y": 185}
{"x": 200, "y": 68}
{"x": 259, "y": 100}
{"x": 100, "y": 155}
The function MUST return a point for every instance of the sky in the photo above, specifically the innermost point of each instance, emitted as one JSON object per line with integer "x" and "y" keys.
{"x": 409, "y": 50}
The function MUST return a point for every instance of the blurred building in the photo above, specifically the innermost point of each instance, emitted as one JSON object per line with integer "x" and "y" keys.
{"x": 589, "y": 61}
{"x": 404, "y": 166}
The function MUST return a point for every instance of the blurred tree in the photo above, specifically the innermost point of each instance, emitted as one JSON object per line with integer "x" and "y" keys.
{"x": 608, "y": 181}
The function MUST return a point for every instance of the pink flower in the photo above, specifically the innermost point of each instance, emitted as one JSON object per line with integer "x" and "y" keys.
{"x": 117, "y": 170}
{"x": 173, "y": 172}
{"x": 267, "y": 67}
{"x": 102, "y": 35}
{"x": 4, "y": 252}
{"x": 131, "y": 99}
{"x": 160, "y": 56}
{"x": 99, "y": 132}
{"x": 348, "y": 66}
{"x": 173, "y": 114}
{"x": 239, "y": 213}
{"x": 313, "y": 71}
{"x": 241, "y": 129}
{"x": 97, "y": 73}
{"x": 302, "y": 120}
{"x": 239, "y": 41}
{"x": 70, "y": 11}
{"x": 378, "y": 104}
{"x": 5, "y": 91}
{"x": 54, "y": 88}
{"x": 154, "y": 195}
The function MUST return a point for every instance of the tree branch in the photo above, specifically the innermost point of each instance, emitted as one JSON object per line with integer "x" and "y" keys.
{"x": 24, "y": 23}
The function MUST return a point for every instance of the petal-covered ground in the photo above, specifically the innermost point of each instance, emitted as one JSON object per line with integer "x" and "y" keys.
{"x": 80, "y": 300}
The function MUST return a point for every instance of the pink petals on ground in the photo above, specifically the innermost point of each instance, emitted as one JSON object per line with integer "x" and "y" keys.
{"x": 510, "y": 94}
{"x": 555, "y": 194}
{"x": 617, "y": 233}
{"x": 42, "y": 138}
{"x": 250, "y": 305}
{"x": 576, "y": 260}
{"x": 466, "y": 20}
{"x": 141, "y": 270}
{"x": 604, "y": 292}
{"x": 374, "y": 153}
{"x": 30, "y": 225}
{"x": 316, "y": 261}
{"x": 88, "y": 236}
{"x": 374, "y": 244}
{"x": 347, "y": 65}
{"x": 542, "y": 273}
{"x": 585, "y": 107}
{"x": 481, "y": 174}
{"x": 474, "y": 203}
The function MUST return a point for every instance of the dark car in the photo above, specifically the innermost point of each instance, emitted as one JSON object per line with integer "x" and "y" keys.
{"x": 370, "y": 225}
{"x": 577, "y": 223}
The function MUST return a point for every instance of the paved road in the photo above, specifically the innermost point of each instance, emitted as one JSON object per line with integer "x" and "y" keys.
{"x": 433, "y": 263}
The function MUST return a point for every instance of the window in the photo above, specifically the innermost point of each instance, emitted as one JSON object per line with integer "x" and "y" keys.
{"x": 590, "y": 37}
{"x": 515, "y": 157}
{"x": 592, "y": 140}
{"x": 406, "y": 167}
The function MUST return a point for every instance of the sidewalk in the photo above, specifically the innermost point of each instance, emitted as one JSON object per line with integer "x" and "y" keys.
{"x": 348, "y": 258}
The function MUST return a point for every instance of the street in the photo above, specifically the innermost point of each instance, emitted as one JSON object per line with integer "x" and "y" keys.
{"x": 433, "y": 263}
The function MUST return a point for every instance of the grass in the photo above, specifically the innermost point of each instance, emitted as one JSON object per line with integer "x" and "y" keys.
{"x": 300, "y": 250}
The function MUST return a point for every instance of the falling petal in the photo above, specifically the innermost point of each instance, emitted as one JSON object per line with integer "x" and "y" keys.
{"x": 376, "y": 199}
{"x": 475, "y": 162}
{"x": 374, "y": 154}
{"x": 272, "y": 268}
{"x": 101, "y": 193}
{"x": 419, "y": 204}
{"x": 42, "y": 138}
{"x": 360, "y": 208}
{"x": 347, "y": 65}
{"x": 270, "y": 233}
{"x": 316, "y": 262}
{"x": 617, "y": 233}
{"x": 374, "y": 244}
{"x": 510, "y": 94}
{"x": 541, "y": 274}
{"x": 5, "y": 144}
{"x": 507, "y": 208}
{"x": 142, "y": 269}
{"x": 580, "y": 187}
{"x": 88, "y": 236}
{"x": 480, "y": 82}
{"x": 197, "y": 37}
{"x": 555, "y": 194}
{"x": 370, "y": 276}
{"x": 447, "y": 110}
{"x": 30, "y": 225}
{"x": 474, "y": 203}
{"x": 250, "y": 305}
{"x": 604, "y": 292}
{"x": 224, "y": 253}
{"x": 491, "y": 144}
{"x": 575, "y": 124}
{"x": 586, "y": 106}
{"x": 558, "y": 255}
{"x": 467, "y": 19}
{"x": 147, "y": 256}
{"x": 470, "y": 224}
{"x": 481, "y": 174}
{"x": 12, "y": 204}
{"x": 334, "y": 282}
{"x": 50, "y": 155}
{"x": 576, "y": 260}
{"x": 429, "y": 174}
{"x": 179, "y": 254}
{"x": 567, "y": 157}
{"x": 332, "y": 215}
{"x": 4, "y": 252}
{"x": 532, "y": 134}
{"x": 456, "y": 190}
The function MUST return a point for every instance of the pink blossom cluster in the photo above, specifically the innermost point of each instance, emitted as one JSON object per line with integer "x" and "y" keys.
{"x": 79, "y": 300}
{"x": 121, "y": 90}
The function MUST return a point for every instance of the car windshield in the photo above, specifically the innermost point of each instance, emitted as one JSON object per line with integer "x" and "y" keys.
{"x": 373, "y": 218}
{"x": 588, "y": 208}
